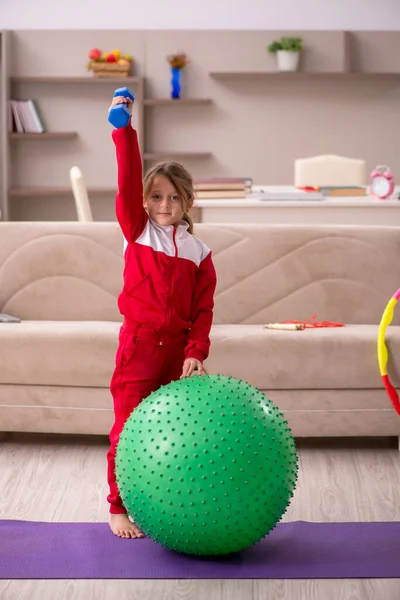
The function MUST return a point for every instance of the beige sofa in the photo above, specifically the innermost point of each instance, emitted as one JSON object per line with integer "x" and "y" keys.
{"x": 63, "y": 280}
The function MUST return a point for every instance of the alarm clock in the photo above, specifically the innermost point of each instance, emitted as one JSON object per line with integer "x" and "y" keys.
{"x": 382, "y": 183}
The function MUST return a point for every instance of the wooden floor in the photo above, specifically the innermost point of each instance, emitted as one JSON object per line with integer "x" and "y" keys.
{"x": 63, "y": 479}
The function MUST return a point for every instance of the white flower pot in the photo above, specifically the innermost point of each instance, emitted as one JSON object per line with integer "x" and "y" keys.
{"x": 287, "y": 61}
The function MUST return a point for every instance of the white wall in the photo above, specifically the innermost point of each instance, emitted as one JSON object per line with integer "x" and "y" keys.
{"x": 200, "y": 14}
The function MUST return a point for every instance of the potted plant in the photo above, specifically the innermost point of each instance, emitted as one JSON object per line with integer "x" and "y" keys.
{"x": 287, "y": 51}
{"x": 177, "y": 62}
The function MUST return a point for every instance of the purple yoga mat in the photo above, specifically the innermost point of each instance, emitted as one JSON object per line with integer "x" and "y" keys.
{"x": 298, "y": 550}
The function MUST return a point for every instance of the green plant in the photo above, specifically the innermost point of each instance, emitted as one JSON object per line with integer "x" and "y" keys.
{"x": 290, "y": 44}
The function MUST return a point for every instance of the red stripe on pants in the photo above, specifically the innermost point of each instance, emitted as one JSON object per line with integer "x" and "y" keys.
{"x": 143, "y": 364}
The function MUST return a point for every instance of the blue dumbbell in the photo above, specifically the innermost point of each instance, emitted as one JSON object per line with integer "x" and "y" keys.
{"x": 119, "y": 115}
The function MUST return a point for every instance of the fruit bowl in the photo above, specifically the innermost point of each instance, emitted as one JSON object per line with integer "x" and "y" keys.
{"x": 109, "y": 64}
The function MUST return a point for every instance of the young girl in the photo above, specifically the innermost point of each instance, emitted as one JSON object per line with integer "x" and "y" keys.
{"x": 167, "y": 298}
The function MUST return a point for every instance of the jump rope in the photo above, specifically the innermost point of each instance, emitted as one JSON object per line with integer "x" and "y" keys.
{"x": 383, "y": 356}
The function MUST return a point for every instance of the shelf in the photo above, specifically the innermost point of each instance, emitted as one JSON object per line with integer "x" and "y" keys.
{"x": 48, "y": 135}
{"x": 46, "y": 192}
{"x": 87, "y": 79}
{"x": 161, "y": 155}
{"x": 303, "y": 76}
{"x": 182, "y": 101}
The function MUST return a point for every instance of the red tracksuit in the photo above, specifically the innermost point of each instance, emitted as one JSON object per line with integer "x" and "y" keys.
{"x": 167, "y": 299}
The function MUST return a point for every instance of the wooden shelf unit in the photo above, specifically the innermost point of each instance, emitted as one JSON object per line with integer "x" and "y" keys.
{"x": 352, "y": 53}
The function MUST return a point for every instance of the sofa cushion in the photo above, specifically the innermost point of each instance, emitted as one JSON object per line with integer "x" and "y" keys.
{"x": 82, "y": 353}
{"x": 63, "y": 353}
{"x": 325, "y": 358}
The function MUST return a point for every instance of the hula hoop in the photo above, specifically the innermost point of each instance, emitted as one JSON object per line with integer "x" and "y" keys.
{"x": 383, "y": 353}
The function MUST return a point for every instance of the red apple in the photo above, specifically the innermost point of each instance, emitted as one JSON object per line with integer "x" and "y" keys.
{"x": 111, "y": 58}
{"x": 95, "y": 54}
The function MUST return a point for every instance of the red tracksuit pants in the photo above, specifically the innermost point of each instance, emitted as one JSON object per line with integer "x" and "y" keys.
{"x": 143, "y": 363}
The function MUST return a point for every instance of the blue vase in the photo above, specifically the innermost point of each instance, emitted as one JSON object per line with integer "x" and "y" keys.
{"x": 175, "y": 83}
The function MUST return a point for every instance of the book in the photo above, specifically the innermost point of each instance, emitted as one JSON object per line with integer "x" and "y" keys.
{"x": 24, "y": 117}
{"x": 219, "y": 186}
{"x": 207, "y": 194}
{"x": 336, "y": 191}
{"x": 224, "y": 183}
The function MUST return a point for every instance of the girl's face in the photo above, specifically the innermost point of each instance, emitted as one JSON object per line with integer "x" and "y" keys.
{"x": 163, "y": 203}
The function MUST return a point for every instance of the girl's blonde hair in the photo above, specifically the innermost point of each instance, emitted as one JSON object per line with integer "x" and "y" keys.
{"x": 180, "y": 179}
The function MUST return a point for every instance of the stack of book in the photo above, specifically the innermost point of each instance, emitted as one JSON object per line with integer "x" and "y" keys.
{"x": 337, "y": 191}
{"x": 24, "y": 117}
{"x": 229, "y": 187}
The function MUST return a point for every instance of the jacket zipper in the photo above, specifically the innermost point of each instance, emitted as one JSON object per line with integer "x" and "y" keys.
{"x": 171, "y": 290}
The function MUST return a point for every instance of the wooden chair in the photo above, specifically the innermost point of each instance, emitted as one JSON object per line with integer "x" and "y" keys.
{"x": 80, "y": 194}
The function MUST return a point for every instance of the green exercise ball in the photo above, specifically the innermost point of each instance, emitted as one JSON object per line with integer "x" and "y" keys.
{"x": 206, "y": 465}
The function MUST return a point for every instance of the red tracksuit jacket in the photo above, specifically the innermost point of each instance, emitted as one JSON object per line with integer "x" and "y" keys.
{"x": 169, "y": 276}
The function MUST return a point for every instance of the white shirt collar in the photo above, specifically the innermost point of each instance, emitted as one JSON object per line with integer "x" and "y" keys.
{"x": 182, "y": 227}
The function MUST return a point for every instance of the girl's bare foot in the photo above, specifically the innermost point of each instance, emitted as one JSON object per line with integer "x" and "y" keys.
{"x": 123, "y": 527}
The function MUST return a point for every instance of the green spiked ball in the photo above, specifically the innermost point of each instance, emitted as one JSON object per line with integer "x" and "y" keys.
{"x": 206, "y": 465}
